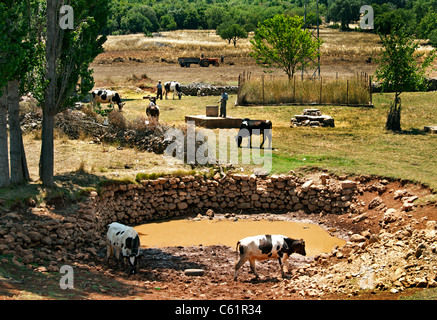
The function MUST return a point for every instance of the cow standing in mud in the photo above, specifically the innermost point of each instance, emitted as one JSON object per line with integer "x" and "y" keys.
{"x": 265, "y": 247}
{"x": 123, "y": 242}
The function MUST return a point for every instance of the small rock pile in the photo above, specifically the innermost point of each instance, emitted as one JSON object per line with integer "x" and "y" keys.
{"x": 206, "y": 89}
{"x": 312, "y": 118}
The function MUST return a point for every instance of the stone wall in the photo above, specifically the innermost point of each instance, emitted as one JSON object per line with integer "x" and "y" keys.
{"x": 168, "y": 197}
{"x": 206, "y": 89}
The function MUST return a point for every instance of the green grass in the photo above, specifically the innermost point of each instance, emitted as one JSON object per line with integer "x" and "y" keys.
{"x": 358, "y": 144}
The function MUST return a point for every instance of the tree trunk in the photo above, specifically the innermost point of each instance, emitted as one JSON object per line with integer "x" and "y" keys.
{"x": 4, "y": 155}
{"x": 19, "y": 171}
{"x": 394, "y": 116}
{"x": 46, "y": 161}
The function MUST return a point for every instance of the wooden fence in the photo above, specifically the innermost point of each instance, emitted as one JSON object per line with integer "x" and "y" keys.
{"x": 271, "y": 90}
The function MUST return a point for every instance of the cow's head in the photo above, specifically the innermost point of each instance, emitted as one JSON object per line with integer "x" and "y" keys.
{"x": 133, "y": 244}
{"x": 132, "y": 261}
{"x": 299, "y": 247}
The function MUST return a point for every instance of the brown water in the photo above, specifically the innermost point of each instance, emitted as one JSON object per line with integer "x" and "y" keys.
{"x": 213, "y": 232}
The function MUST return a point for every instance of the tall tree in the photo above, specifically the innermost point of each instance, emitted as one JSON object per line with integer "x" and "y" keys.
{"x": 400, "y": 70}
{"x": 281, "y": 42}
{"x": 344, "y": 11}
{"x": 231, "y": 32}
{"x": 4, "y": 158}
{"x": 16, "y": 59}
{"x": 68, "y": 54}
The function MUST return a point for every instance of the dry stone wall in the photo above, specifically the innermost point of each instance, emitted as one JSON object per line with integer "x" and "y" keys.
{"x": 167, "y": 197}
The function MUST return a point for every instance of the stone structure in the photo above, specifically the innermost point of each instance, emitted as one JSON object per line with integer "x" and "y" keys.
{"x": 163, "y": 198}
{"x": 312, "y": 118}
{"x": 206, "y": 89}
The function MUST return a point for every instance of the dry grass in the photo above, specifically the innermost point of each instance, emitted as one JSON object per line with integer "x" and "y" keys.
{"x": 277, "y": 90}
{"x": 179, "y": 43}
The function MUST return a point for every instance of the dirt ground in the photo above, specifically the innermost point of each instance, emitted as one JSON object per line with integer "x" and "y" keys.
{"x": 161, "y": 275}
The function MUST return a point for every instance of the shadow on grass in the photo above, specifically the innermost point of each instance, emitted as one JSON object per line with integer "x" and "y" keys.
{"x": 69, "y": 187}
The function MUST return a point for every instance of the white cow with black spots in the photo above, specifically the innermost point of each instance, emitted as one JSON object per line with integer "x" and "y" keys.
{"x": 123, "y": 242}
{"x": 107, "y": 96}
{"x": 265, "y": 247}
{"x": 173, "y": 86}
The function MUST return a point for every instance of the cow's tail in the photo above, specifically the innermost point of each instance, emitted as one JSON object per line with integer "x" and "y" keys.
{"x": 236, "y": 249}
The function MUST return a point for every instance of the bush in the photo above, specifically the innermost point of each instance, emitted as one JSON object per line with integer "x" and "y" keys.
{"x": 433, "y": 38}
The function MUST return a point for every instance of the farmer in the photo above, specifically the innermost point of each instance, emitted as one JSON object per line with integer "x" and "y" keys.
{"x": 159, "y": 92}
{"x": 224, "y": 98}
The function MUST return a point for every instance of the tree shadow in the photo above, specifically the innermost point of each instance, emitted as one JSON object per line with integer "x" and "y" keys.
{"x": 412, "y": 132}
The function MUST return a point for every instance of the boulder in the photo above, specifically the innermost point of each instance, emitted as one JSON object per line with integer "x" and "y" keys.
{"x": 357, "y": 238}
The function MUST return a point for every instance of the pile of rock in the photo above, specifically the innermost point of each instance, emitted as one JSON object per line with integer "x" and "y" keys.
{"x": 206, "y": 89}
{"x": 312, "y": 118}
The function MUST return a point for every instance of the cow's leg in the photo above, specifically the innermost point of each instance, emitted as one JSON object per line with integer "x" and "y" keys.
{"x": 262, "y": 134}
{"x": 269, "y": 136}
{"x": 109, "y": 251}
{"x": 280, "y": 266}
{"x": 285, "y": 262}
{"x": 238, "y": 265}
{"x": 253, "y": 267}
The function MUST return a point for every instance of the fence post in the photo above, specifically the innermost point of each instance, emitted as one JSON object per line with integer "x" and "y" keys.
{"x": 294, "y": 89}
{"x": 263, "y": 88}
{"x": 370, "y": 89}
{"x": 347, "y": 91}
{"x": 320, "y": 96}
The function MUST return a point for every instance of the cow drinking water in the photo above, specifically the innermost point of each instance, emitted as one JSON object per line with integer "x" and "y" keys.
{"x": 107, "y": 96}
{"x": 123, "y": 242}
{"x": 265, "y": 247}
{"x": 259, "y": 127}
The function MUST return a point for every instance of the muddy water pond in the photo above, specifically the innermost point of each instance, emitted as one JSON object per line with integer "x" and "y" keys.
{"x": 205, "y": 232}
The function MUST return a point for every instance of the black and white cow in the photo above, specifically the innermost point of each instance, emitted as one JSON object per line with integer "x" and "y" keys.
{"x": 258, "y": 127}
{"x": 265, "y": 247}
{"x": 152, "y": 112}
{"x": 107, "y": 96}
{"x": 173, "y": 86}
{"x": 123, "y": 242}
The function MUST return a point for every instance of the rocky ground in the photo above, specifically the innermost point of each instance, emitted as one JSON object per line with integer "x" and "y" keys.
{"x": 391, "y": 250}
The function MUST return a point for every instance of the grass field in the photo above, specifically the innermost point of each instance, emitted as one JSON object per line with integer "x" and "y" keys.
{"x": 357, "y": 145}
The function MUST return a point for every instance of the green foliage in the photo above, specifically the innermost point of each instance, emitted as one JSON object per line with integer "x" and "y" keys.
{"x": 433, "y": 38}
{"x": 344, "y": 11}
{"x": 394, "y": 20}
{"x": 399, "y": 69}
{"x": 104, "y": 112}
{"x": 18, "y": 44}
{"x": 231, "y": 32}
{"x": 282, "y": 43}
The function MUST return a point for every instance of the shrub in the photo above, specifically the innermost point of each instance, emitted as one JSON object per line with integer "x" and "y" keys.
{"x": 433, "y": 38}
